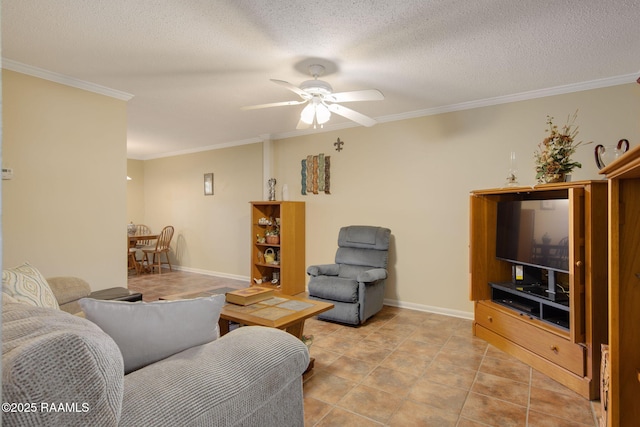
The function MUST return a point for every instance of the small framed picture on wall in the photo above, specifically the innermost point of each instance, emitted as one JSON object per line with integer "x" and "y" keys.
{"x": 208, "y": 184}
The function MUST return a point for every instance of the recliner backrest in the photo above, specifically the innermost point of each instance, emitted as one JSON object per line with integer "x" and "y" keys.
{"x": 361, "y": 245}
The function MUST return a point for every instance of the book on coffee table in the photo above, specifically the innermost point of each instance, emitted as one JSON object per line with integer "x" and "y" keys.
{"x": 248, "y": 296}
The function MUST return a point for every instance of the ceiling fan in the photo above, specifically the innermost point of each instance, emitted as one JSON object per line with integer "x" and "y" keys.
{"x": 321, "y": 101}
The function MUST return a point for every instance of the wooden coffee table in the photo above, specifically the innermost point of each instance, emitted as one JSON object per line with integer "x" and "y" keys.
{"x": 282, "y": 311}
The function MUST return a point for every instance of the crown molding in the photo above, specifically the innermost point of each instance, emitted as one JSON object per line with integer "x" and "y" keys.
{"x": 62, "y": 79}
{"x": 201, "y": 149}
{"x": 522, "y": 96}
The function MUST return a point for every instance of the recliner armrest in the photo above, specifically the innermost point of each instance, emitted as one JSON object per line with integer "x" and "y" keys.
{"x": 372, "y": 275}
{"x": 323, "y": 270}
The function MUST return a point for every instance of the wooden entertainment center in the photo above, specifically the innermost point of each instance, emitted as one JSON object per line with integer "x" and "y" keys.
{"x": 624, "y": 289}
{"x": 560, "y": 338}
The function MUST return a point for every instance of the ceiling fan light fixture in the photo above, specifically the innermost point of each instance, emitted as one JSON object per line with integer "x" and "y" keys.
{"x": 322, "y": 101}
{"x": 308, "y": 113}
{"x": 322, "y": 114}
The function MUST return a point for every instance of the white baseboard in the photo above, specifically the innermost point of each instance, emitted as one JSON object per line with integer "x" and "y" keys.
{"x": 393, "y": 303}
{"x": 429, "y": 309}
{"x": 212, "y": 273}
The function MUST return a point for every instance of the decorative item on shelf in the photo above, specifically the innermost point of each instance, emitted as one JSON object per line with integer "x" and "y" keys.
{"x": 607, "y": 154}
{"x": 272, "y": 239}
{"x": 512, "y": 179}
{"x": 264, "y": 221}
{"x": 275, "y": 278}
{"x": 131, "y": 229}
{"x": 272, "y": 189}
{"x": 260, "y": 257}
{"x": 273, "y": 235}
{"x": 257, "y": 281}
{"x": 553, "y": 158}
{"x": 260, "y": 239}
{"x": 269, "y": 256}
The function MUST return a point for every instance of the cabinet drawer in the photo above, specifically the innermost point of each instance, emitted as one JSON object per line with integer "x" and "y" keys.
{"x": 520, "y": 330}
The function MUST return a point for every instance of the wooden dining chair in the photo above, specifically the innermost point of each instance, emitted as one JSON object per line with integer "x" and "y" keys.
{"x": 161, "y": 247}
{"x": 134, "y": 264}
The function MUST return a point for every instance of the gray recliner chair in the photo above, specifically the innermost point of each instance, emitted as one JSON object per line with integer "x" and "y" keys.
{"x": 355, "y": 283}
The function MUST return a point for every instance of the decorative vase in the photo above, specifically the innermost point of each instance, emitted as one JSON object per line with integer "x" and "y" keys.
{"x": 272, "y": 189}
{"x": 606, "y": 154}
{"x": 554, "y": 177}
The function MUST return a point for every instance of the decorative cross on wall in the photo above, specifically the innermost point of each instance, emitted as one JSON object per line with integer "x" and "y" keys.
{"x": 338, "y": 145}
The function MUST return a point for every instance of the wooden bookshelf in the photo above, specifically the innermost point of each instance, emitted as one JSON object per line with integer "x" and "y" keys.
{"x": 291, "y": 264}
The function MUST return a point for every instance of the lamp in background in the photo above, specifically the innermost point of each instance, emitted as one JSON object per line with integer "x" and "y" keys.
{"x": 316, "y": 112}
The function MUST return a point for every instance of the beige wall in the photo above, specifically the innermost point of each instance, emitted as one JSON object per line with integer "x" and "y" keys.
{"x": 413, "y": 176}
{"x": 68, "y": 204}
{"x": 64, "y": 211}
{"x": 135, "y": 191}
{"x": 211, "y": 232}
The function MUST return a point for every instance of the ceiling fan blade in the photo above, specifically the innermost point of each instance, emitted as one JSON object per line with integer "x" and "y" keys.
{"x": 302, "y": 125}
{"x": 273, "y": 104}
{"x": 352, "y": 115}
{"x": 357, "y": 95}
{"x": 292, "y": 88}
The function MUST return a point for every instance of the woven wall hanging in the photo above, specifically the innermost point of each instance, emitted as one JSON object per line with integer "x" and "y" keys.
{"x": 315, "y": 174}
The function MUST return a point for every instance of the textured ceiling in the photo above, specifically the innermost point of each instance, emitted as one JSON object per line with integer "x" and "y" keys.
{"x": 192, "y": 64}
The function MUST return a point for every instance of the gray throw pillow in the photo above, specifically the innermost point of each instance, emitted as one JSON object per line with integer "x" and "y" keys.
{"x": 151, "y": 331}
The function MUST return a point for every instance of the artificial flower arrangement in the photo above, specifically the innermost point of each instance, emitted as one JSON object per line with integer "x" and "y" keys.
{"x": 553, "y": 158}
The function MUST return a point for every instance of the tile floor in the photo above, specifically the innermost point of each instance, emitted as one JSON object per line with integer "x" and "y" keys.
{"x": 410, "y": 368}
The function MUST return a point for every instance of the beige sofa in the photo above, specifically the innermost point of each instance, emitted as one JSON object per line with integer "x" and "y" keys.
{"x": 68, "y": 291}
{"x": 60, "y": 369}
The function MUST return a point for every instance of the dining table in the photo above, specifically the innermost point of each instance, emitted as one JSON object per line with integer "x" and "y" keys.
{"x": 135, "y": 238}
{"x": 133, "y": 241}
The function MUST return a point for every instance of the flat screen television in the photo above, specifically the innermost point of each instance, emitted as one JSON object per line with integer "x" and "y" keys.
{"x": 534, "y": 233}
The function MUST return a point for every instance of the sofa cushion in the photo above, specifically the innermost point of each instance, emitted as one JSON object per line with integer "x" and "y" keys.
{"x": 150, "y": 331}
{"x": 252, "y": 376}
{"x": 52, "y": 357}
{"x": 8, "y": 299}
{"x": 25, "y": 284}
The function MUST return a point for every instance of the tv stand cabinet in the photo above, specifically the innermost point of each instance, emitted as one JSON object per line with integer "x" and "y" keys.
{"x": 624, "y": 289}
{"x": 558, "y": 338}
